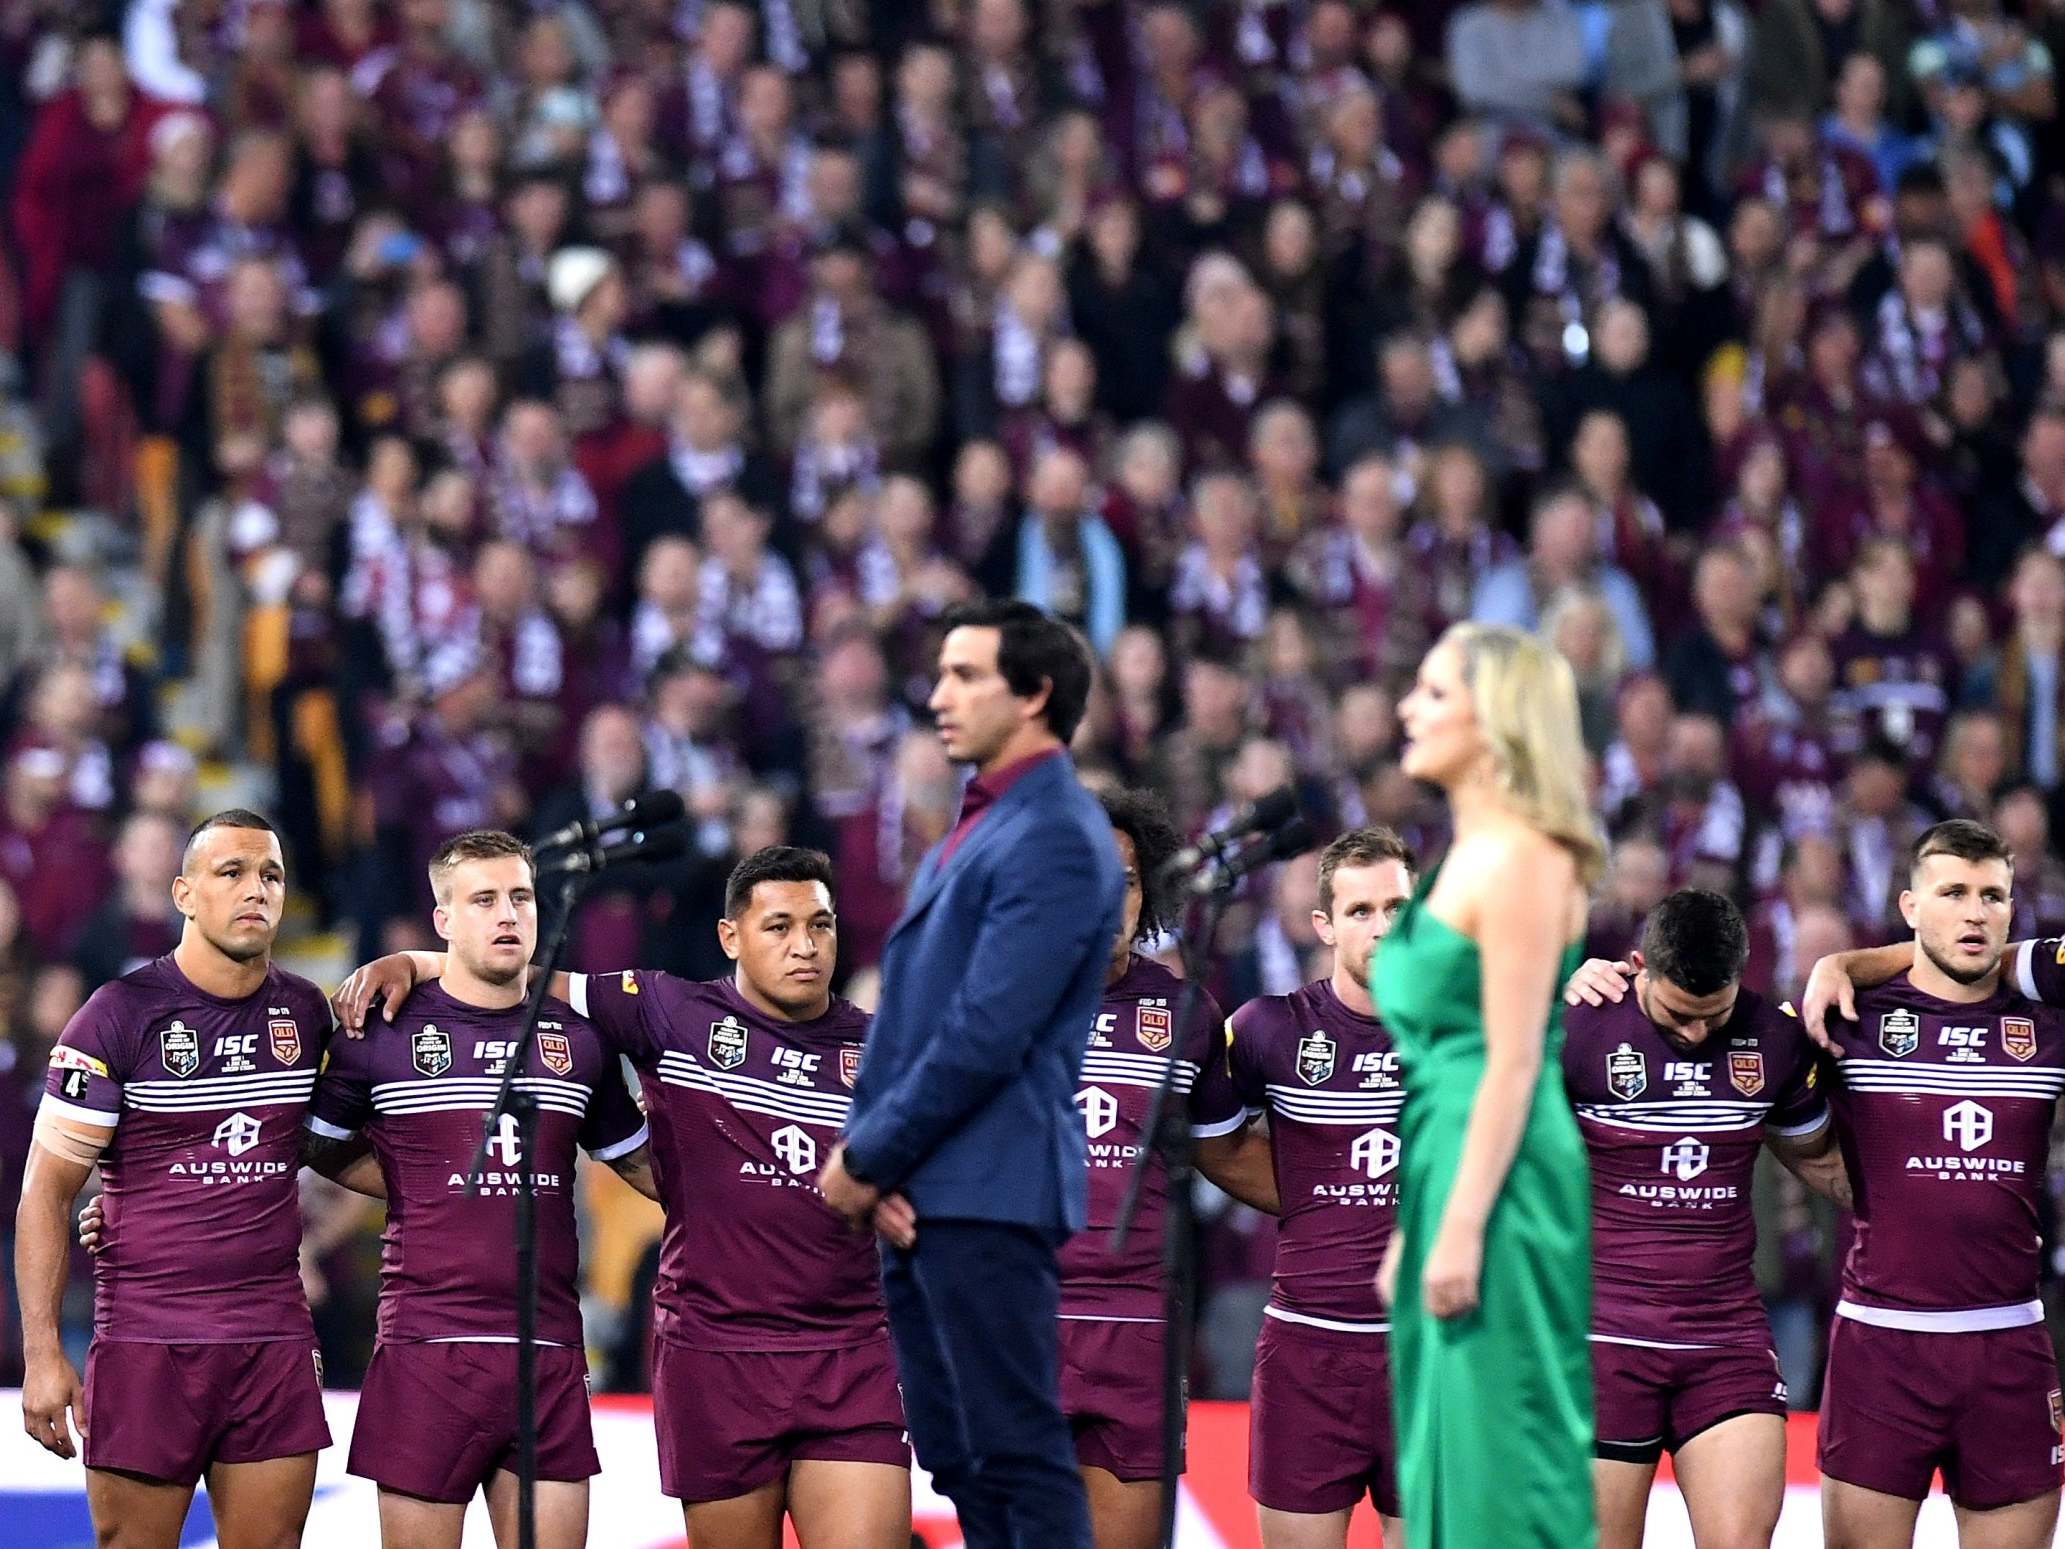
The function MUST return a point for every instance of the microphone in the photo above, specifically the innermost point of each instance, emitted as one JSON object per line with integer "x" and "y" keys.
{"x": 648, "y": 809}
{"x": 1294, "y": 838}
{"x": 660, "y": 844}
{"x": 1256, "y": 817}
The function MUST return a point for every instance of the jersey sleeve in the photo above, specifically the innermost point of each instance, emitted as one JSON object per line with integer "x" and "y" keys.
{"x": 2038, "y": 969}
{"x": 343, "y": 1101}
{"x": 624, "y": 1008}
{"x": 1801, "y": 1106}
{"x": 1245, "y": 1040}
{"x": 614, "y": 1125}
{"x": 87, "y": 1068}
{"x": 1215, "y": 1107}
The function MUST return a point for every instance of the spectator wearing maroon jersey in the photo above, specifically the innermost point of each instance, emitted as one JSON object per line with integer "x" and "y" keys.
{"x": 137, "y": 922}
{"x": 1810, "y": 877}
{"x": 1373, "y": 597}
{"x": 1892, "y": 673}
{"x": 1219, "y": 595}
{"x": 49, "y": 853}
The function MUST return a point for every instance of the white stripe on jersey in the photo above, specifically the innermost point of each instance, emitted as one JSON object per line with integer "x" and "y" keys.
{"x": 623, "y": 1147}
{"x": 1960, "y": 1320}
{"x": 749, "y": 1094}
{"x": 1645, "y": 1344}
{"x": 253, "y": 1091}
{"x": 1690, "y": 1114}
{"x": 329, "y": 1131}
{"x": 1309, "y": 1107}
{"x": 1224, "y": 1127}
{"x": 1286, "y": 1316}
{"x": 1148, "y": 1073}
{"x": 1876, "y": 1075}
{"x": 2025, "y": 970}
{"x": 475, "y": 1094}
{"x": 57, "y": 1108}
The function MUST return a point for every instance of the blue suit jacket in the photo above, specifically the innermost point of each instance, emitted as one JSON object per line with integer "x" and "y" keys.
{"x": 990, "y": 983}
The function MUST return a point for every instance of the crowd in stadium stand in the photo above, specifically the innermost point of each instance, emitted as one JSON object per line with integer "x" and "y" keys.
{"x": 491, "y": 409}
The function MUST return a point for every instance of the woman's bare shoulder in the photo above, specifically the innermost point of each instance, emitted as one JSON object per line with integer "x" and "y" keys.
{"x": 1509, "y": 861}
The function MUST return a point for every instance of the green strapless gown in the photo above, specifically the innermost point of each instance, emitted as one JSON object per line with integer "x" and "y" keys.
{"x": 1494, "y": 1409}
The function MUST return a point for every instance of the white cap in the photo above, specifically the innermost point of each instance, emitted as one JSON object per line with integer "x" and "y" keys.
{"x": 573, "y": 274}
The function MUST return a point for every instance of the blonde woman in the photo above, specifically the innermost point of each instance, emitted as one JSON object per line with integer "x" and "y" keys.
{"x": 1489, "y": 1274}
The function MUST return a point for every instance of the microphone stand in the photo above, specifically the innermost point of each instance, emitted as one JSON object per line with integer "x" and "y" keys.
{"x": 1166, "y": 1131}
{"x": 522, "y": 1105}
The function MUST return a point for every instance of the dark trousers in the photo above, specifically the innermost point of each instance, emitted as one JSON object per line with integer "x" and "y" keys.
{"x": 972, "y": 1312}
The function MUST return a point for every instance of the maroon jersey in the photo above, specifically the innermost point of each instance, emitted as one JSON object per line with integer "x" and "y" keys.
{"x": 1945, "y": 1116}
{"x": 421, "y": 1092}
{"x": 1673, "y": 1136}
{"x": 206, "y": 1098}
{"x": 1131, "y": 1044}
{"x": 744, "y": 1108}
{"x": 1329, "y": 1080}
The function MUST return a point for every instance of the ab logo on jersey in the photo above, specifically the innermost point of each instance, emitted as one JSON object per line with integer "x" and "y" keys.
{"x": 286, "y": 1039}
{"x": 556, "y": 1052}
{"x": 180, "y": 1047}
{"x": 1900, "y": 1033}
{"x": 431, "y": 1051}
{"x": 849, "y": 1063}
{"x": 1154, "y": 1029}
{"x": 1315, "y": 1057}
{"x": 1627, "y": 1073}
{"x": 2018, "y": 1037}
{"x": 728, "y": 1043}
{"x": 1746, "y": 1070}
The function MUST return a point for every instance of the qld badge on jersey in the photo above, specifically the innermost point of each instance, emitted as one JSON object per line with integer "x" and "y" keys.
{"x": 1746, "y": 1070}
{"x": 286, "y": 1039}
{"x": 1155, "y": 1028}
{"x": 728, "y": 1043}
{"x": 180, "y": 1048}
{"x": 556, "y": 1052}
{"x": 849, "y": 1063}
{"x": 1900, "y": 1033}
{"x": 1315, "y": 1057}
{"x": 1627, "y": 1073}
{"x": 2018, "y": 1037}
{"x": 430, "y": 1051}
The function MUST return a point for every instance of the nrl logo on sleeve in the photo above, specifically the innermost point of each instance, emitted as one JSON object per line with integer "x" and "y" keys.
{"x": 2057, "y": 1411}
{"x": 849, "y": 1063}
{"x": 557, "y": 1052}
{"x": 1746, "y": 1070}
{"x": 286, "y": 1039}
{"x": 728, "y": 1043}
{"x": 180, "y": 1047}
{"x": 2018, "y": 1037}
{"x": 1315, "y": 1057}
{"x": 1900, "y": 1033}
{"x": 1627, "y": 1073}
{"x": 1154, "y": 1030}
{"x": 431, "y": 1051}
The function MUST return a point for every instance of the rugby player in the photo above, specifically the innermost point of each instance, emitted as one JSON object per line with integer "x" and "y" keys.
{"x": 1944, "y": 1094}
{"x": 437, "y": 1413}
{"x": 774, "y": 1386}
{"x": 186, "y": 1081}
{"x": 1322, "y": 1066}
{"x": 1111, "y": 1304}
{"x": 1676, "y": 1087}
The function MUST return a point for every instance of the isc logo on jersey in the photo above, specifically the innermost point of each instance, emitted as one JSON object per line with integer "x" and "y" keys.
{"x": 1967, "y": 1045}
{"x": 792, "y": 1067}
{"x": 1378, "y": 1070}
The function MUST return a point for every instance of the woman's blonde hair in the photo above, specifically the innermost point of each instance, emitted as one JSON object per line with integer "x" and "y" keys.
{"x": 1524, "y": 696}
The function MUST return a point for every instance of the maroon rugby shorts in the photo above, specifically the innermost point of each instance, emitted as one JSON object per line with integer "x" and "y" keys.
{"x": 728, "y": 1421}
{"x": 1319, "y": 1420}
{"x": 170, "y": 1412}
{"x": 1652, "y": 1401}
{"x": 1983, "y": 1407}
{"x": 1111, "y": 1392}
{"x": 437, "y": 1420}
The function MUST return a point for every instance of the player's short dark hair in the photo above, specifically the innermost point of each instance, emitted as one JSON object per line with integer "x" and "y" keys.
{"x": 1034, "y": 648}
{"x": 1143, "y": 818}
{"x": 229, "y": 817}
{"x": 476, "y": 844}
{"x": 776, "y": 863}
{"x": 1695, "y": 939}
{"x": 1370, "y": 846}
{"x": 1963, "y": 839}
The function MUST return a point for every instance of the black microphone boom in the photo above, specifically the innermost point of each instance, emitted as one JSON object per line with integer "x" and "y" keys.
{"x": 661, "y": 844}
{"x": 1294, "y": 838}
{"x": 648, "y": 809}
{"x": 1256, "y": 817}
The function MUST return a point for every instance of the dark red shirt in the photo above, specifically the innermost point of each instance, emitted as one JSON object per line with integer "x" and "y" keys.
{"x": 982, "y": 794}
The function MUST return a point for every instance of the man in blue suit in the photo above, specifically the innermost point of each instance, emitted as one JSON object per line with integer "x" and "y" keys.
{"x": 965, "y": 1101}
